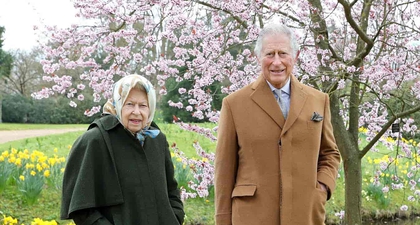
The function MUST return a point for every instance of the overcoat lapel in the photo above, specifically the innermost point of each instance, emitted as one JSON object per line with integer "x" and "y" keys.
{"x": 297, "y": 101}
{"x": 265, "y": 99}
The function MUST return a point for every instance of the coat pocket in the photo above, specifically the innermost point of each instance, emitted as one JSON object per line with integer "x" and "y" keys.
{"x": 244, "y": 191}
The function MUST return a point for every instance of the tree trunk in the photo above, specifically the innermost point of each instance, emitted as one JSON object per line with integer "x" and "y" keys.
{"x": 1, "y": 108}
{"x": 350, "y": 154}
{"x": 353, "y": 189}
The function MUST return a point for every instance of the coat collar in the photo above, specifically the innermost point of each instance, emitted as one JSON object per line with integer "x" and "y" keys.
{"x": 297, "y": 100}
{"x": 110, "y": 121}
{"x": 265, "y": 99}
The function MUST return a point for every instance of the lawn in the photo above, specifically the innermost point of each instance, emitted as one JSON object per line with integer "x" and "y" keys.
{"x": 15, "y": 204}
{"x": 24, "y": 126}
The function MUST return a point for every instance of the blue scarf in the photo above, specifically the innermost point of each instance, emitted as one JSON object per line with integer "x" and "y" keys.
{"x": 141, "y": 135}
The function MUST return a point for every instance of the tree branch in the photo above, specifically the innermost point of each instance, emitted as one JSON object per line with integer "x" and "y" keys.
{"x": 367, "y": 148}
{"x": 353, "y": 24}
{"x": 241, "y": 22}
{"x": 295, "y": 19}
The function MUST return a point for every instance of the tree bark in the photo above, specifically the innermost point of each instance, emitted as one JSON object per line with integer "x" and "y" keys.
{"x": 353, "y": 190}
{"x": 351, "y": 157}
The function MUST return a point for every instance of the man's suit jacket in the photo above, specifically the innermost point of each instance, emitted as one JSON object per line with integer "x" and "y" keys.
{"x": 267, "y": 169}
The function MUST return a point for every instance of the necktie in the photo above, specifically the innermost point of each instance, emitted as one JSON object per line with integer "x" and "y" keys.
{"x": 280, "y": 102}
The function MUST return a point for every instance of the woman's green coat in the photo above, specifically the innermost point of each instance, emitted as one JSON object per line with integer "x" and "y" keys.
{"x": 119, "y": 181}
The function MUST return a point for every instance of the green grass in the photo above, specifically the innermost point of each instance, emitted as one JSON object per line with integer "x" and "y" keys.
{"x": 25, "y": 126}
{"x": 184, "y": 139}
{"x": 198, "y": 211}
{"x": 46, "y": 144}
{"x": 47, "y": 207}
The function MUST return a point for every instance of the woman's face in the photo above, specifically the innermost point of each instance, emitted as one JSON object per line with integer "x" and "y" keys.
{"x": 135, "y": 111}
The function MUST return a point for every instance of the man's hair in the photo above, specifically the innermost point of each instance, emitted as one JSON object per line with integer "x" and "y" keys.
{"x": 275, "y": 29}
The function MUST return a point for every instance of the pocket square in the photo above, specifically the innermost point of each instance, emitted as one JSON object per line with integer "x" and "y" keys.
{"x": 316, "y": 117}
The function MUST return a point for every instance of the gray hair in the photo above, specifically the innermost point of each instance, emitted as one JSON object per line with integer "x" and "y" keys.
{"x": 276, "y": 29}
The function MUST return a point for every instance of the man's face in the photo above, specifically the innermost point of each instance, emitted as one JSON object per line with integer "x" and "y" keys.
{"x": 276, "y": 59}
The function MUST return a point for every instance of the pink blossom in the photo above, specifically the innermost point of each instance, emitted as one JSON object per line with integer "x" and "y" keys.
{"x": 81, "y": 86}
{"x": 73, "y": 104}
{"x": 182, "y": 90}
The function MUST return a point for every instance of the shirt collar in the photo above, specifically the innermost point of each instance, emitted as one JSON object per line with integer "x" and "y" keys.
{"x": 285, "y": 88}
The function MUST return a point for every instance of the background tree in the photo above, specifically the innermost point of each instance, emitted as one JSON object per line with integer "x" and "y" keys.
{"x": 26, "y": 74}
{"x": 5, "y": 63}
{"x": 360, "y": 52}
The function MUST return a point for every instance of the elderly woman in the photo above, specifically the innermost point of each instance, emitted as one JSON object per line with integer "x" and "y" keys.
{"x": 120, "y": 170}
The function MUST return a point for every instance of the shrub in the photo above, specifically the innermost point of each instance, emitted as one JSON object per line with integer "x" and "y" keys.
{"x": 15, "y": 108}
{"x": 21, "y": 109}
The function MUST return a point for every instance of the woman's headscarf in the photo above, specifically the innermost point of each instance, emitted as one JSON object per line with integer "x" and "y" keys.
{"x": 120, "y": 92}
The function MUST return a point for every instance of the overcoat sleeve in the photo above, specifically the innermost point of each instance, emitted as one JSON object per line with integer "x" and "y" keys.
{"x": 90, "y": 167}
{"x": 173, "y": 191}
{"x": 172, "y": 185}
{"x": 226, "y": 162}
{"x": 329, "y": 156}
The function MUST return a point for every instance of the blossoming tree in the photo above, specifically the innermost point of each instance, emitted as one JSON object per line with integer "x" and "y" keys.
{"x": 363, "y": 53}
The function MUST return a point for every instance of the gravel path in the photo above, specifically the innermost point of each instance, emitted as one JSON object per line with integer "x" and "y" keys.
{"x": 13, "y": 135}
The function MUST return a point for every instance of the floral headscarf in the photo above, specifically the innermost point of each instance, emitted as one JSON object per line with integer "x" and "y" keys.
{"x": 120, "y": 92}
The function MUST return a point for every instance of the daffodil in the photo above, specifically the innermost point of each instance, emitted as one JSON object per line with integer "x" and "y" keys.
{"x": 47, "y": 173}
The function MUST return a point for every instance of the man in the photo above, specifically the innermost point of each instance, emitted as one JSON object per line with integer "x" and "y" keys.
{"x": 275, "y": 164}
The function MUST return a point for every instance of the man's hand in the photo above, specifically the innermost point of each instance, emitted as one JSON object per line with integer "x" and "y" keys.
{"x": 323, "y": 187}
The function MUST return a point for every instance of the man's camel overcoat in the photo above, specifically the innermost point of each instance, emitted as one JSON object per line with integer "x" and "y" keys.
{"x": 267, "y": 169}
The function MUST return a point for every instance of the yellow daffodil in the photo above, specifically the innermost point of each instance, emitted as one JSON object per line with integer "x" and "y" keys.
{"x": 9, "y": 220}
{"x": 18, "y": 162}
{"x": 30, "y": 166}
{"x": 42, "y": 159}
{"x": 52, "y": 161}
{"x": 44, "y": 166}
{"x": 12, "y": 160}
{"x": 14, "y": 151}
{"x": 47, "y": 173}
{"x": 38, "y": 167}
{"x": 5, "y": 154}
